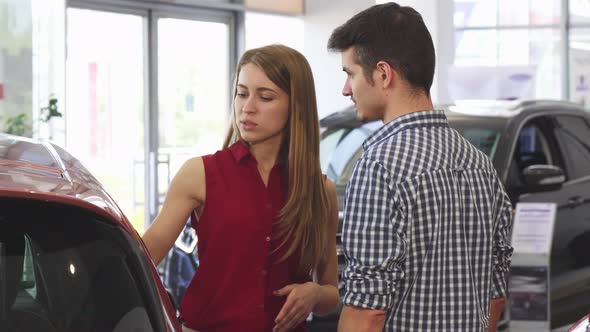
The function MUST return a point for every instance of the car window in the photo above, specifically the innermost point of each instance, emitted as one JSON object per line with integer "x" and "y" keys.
{"x": 28, "y": 282}
{"x": 338, "y": 148}
{"x": 69, "y": 270}
{"x": 328, "y": 145}
{"x": 483, "y": 132}
{"x": 532, "y": 148}
{"x": 573, "y": 136}
{"x": 484, "y": 139}
{"x": 535, "y": 145}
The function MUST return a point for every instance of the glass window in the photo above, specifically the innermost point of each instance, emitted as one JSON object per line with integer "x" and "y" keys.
{"x": 84, "y": 277}
{"x": 529, "y": 12}
{"x": 501, "y": 34}
{"x": 512, "y": 12}
{"x": 328, "y": 146}
{"x": 336, "y": 157}
{"x": 535, "y": 50}
{"x": 106, "y": 102}
{"x": 579, "y": 66}
{"x": 490, "y": 13}
{"x": 27, "y": 282}
{"x": 532, "y": 148}
{"x": 573, "y": 135}
{"x": 476, "y": 47}
{"x": 579, "y": 11}
{"x": 475, "y": 13}
{"x": 193, "y": 92}
{"x": 486, "y": 140}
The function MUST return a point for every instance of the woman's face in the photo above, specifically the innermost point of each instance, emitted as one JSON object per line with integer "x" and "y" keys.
{"x": 261, "y": 107}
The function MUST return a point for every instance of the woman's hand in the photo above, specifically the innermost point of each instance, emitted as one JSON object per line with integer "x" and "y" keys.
{"x": 301, "y": 299}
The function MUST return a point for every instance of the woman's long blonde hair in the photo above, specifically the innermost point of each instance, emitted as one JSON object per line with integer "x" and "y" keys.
{"x": 305, "y": 216}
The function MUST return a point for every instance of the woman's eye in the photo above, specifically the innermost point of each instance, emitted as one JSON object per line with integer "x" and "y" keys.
{"x": 241, "y": 94}
{"x": 266, "y": 98}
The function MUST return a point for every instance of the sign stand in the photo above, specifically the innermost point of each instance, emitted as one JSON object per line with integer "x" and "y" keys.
{"x": 529, "y": 286}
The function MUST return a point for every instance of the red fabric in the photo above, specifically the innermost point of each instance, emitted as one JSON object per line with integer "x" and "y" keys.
{"x": 232, "y": 289}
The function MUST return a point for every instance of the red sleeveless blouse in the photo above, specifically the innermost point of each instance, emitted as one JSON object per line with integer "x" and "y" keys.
{"x": 232, "y": 290}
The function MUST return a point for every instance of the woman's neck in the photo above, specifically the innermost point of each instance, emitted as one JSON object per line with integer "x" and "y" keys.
{"x": 266, "y": 152}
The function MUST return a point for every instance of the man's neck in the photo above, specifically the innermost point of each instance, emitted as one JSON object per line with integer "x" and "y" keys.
{"x": 403, "y": 105}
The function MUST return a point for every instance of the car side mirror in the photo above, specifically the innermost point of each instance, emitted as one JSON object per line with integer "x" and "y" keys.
{"x": 543, "y": 177}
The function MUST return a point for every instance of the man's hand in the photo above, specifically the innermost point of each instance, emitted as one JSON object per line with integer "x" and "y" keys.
{"x": 496, "y": 308}
{"x": 353, "y": 319}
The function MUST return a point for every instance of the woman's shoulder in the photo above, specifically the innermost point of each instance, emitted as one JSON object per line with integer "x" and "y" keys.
{"x": 215, "y": 157}
{"x": 329, "y": 185}
{"x": 194, "y": 166}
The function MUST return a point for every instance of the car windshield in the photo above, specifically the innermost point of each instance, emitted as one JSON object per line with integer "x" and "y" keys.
{"x": 483, "y": 135}
{"x": 65, "y": 269}
{"x": 341, "y": 146}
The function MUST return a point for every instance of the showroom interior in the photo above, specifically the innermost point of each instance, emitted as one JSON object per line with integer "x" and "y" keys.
{"x": 134, "y": 88}
{"x": 128, "y": 53}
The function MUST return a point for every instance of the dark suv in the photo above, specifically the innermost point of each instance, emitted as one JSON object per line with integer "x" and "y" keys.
{"x": 541, "y": 150}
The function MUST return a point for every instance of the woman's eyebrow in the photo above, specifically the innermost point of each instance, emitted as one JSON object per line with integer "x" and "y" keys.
{"x": 260, "y": 89}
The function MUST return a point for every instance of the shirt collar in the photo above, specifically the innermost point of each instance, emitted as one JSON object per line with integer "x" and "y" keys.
{"x": 431, "y": 118}
{"x": 240, "y": 151}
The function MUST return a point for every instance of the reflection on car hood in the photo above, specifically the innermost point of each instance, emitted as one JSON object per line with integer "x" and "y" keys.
{"x": 40, "y": 170}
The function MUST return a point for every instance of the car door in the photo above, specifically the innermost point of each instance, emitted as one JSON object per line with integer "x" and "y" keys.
{"x": 536, "y": 144}
{"x": 573, "y": 234}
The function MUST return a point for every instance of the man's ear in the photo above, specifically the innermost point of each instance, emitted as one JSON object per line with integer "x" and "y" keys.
{"x": 386, "y": 75}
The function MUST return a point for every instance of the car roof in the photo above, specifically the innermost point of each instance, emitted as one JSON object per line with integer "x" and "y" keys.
{"x": 499, "y": 109}
{"x": 39, "y": 170}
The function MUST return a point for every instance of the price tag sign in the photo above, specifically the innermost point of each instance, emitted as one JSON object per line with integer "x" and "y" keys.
{"x": 533, "y": 228}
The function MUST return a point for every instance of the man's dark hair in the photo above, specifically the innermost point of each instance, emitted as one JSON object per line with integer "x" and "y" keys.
{"x": 392, "y": 33}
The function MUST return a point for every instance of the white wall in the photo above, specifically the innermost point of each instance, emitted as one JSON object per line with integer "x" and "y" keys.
{"x": 322, "y": 17}
{"x": 438, "y": 16}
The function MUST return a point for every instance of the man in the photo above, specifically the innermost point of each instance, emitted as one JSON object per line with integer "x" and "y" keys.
{"x": 426, "y": 220}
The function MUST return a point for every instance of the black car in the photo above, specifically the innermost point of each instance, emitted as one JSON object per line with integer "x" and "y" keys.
{"x": 541, "y": 150}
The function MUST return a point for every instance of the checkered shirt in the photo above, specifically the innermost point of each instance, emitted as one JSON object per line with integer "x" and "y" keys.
{"x": 426, "y": 228}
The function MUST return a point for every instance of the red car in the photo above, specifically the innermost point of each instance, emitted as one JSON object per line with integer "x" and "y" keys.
{"x": 69, "y": 259}
{"x": 583, "y": 325}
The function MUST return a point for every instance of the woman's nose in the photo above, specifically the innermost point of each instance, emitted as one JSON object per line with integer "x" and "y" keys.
{"x": 248, "y": 106}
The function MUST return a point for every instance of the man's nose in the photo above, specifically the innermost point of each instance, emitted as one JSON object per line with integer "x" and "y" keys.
{"x": 346, "y": 90}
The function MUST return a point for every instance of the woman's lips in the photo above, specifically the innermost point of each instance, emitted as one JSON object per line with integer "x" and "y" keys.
{"x": 248, "y": 125}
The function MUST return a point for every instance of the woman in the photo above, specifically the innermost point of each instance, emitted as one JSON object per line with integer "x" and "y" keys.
{"x": 267, "y": 216}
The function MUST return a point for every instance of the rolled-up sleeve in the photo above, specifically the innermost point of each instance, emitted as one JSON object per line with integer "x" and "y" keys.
{"x": 502, "y": 251}
{"x": 373, "y": 241}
